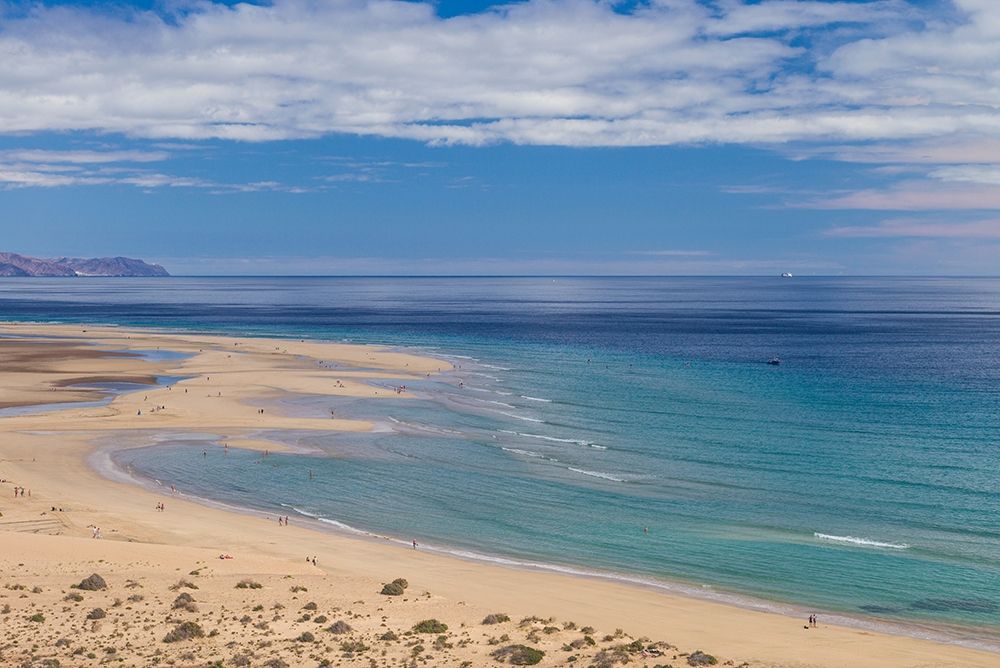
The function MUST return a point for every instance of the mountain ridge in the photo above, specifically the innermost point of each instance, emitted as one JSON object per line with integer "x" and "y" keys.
{"x": 16, "y": 265}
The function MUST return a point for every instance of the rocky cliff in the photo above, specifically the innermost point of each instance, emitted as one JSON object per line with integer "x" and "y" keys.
{"x": 12, "y": 264}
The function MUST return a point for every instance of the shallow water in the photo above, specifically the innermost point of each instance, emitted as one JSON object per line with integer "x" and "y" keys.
{"x": 860, "y": 475}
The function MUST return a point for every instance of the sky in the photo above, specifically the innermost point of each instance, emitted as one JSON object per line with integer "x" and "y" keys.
{"x": 538, "y": 137}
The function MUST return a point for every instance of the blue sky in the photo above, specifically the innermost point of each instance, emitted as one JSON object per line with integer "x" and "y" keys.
{"x": 564, "y": 136}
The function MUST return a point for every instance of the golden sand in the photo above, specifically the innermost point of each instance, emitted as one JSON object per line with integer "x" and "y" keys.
{"x": 144, "y": 554}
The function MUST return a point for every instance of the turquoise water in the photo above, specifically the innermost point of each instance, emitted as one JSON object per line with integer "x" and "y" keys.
{"x": 859, "y": 477}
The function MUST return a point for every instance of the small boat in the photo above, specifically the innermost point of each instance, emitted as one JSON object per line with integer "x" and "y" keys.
{"x": 774, "y": 361}
{"x": 786, "y": 274}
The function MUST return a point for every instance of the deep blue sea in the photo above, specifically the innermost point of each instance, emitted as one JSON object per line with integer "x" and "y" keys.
{"x": 631, "y": 426}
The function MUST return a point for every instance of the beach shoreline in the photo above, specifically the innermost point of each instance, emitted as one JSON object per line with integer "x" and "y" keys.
{"x": 269, "y": 365}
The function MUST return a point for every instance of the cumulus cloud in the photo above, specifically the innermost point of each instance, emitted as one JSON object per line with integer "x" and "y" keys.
{"x": 558, "y": 72}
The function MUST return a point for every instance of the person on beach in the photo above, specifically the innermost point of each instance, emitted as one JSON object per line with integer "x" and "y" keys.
{"x": 414, "y": 543}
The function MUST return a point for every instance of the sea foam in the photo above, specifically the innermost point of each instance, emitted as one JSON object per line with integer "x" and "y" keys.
{"x": 863, "y": 542}
{"x": 596, "y": 474}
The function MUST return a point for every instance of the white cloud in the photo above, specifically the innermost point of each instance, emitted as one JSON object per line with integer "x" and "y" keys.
{"x": 987, "y": 174}
{"x": 38, "y": 168}
{"x": 905, "y": 227}
{"x": 82, "y": 157}
{"x": 566, "y": 72}
{"x": 14, "y": 177}
{"x": 913, "y": 195}
{"x": 948, "y": 151}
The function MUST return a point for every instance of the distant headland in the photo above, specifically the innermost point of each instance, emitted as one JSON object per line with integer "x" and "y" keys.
{"x": 12, "y": 264}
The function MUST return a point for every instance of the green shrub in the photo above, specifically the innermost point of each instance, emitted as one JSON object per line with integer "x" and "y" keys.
{"x": 430, "y": 626}
{"x": 496, "y": 618}
{"x": 699, "y": 658}
{"x": 339, "y": 627}
{"x": 607, "y": 658}
{"x": 518, "y": 655}
{"x": 353, "y": 646}
{"x": 388, "y": 636}
{"x": 93, "y": 583}
{"x": 395, "y": 588}
{"x": 185, "y": 602}
{"x": 37, "y": 617}
{"x": 184, "y": 631}
{"x": 391, "y": 589}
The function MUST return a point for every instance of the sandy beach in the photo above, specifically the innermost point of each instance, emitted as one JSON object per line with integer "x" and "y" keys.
{"x": 289, "y": 610}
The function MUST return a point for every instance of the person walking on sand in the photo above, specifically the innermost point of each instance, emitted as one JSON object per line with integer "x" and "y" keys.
{"x": 414, "y": 543}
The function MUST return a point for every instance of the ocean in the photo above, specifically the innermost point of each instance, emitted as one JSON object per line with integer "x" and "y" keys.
{"x": 632, "y": 428}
